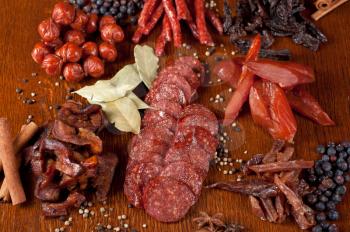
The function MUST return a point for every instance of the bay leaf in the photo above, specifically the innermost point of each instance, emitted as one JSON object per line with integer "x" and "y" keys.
{"x": 147, "y": 63}
{"x": 138, "y": 102}
{"x": 124, "y": 114}
{"x": 121, "y": 84}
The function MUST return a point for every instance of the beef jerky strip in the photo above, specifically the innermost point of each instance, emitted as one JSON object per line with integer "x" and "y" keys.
{"x": 182, "y": 10}
{"x": 286, "y": 155}
{"x": 161, "y": 41}
{"x": 204, "y": 36}
{"x": 271, "y": 213}
{"x": 167, "y": 28}
{"x": 256, "y": 159}
{"x": 303, "y": 215}
{"x": 257, "y": 187}
{"x": 271, "y": 156}
{"x": 227, "y": 17}
{"x": 282, "y": 166}
{"x": 279, "y": 205}
{"x": 256, "y": 208}
{"x": 153, "y": 20}
{"x": 147, "y": 11}
{"x": 215, "y": 21}
{"x": 174, "y": 22}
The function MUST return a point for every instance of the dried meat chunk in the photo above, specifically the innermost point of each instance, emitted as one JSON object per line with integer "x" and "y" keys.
{"x": 172, "y": 108}
{"x": 166, "y": 91}
{"x": 197, "y": 109}
{"x": 201, "y": 121}
{"x": 184, "y": 70}
{"x": 184, "y": 172}
{"x": 167, "y": 200}
{"x": 194, "y": 63}
{"x": 157, "y": 118}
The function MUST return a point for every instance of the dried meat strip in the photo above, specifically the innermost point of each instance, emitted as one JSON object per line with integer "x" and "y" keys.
{"x": 172, "y": 108}
{"x": 271, "y": 213}
{"x": 282, "y": 166}
{"x": 256, "y": 208}
{"x": 182, "y": 10}
{"x": 147, "y": 12}
{"x": 174, "y": 22}
{"x": 204, "y": 36}
{"x": 137, "y": 35}
{"x": 161, "y": 42}
{"x": 167, "y": 28}
{"x": 154, "y": 19}
{"x": 215, "y": 21}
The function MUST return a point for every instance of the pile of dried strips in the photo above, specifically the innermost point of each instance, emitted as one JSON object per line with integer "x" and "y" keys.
{"x": 207, "y": 223}
{"x": 277, "y": 190}
{"x": 68, "y": 158}
{"x": 271, "y": 18}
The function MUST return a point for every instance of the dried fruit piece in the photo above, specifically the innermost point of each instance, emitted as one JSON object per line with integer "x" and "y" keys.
{"x": 48, "y": 30}
{"x": 73, "y": 72}
{"x": 93, "y": 66}
{"x": 39, "y": 52}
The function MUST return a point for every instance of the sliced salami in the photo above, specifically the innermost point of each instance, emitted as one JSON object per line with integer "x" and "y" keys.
{"x": 166, "y": 91}
{"x": 176, "y": 79}
{"x": 194, "y": 135}
{"x": 137, "y": 177}
{"x": 185, "y": 71}
{"x": 155, "y": 133}
{"x": 194, "y": 63}
{"x": 185, "y": 173}
{"x": 198, "y": 109}
{"x": 167, "y": 200}
{"x": 148, "y": 145}
{"x": 170, "y": 107}
{"x": 201, "y": 121}
{"x": 159, "y": 119}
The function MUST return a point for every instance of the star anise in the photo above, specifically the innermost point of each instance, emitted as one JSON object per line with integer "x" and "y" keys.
{"x": 233, "y": 228}
{"x": 209, "y": 223}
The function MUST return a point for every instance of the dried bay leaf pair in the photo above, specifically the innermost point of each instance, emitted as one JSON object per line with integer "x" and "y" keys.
{"x": 115, "y": 96}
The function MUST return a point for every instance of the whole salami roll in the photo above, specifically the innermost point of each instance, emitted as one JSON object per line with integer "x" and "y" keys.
{"x": 169, "y": 159}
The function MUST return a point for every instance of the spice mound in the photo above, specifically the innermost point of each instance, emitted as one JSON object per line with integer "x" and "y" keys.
{"x": 169, "y": 158}
{"x": 68, "y": 159}
{"x": 278, "y": 190}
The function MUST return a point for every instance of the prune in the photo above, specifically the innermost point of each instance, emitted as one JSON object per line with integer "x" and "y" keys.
{"x": 52, "y": 64}
{"x": 90, "y": 49}
{"x": 57, "y": 43}
{"x": 73, "y": 72}
{"x": 63, "y": 13}
{"x": 91, "y": 25}
{"x": 48, "y": 30}
{"x": 75, "y": 36}
{"x": 108, "y": 52}
{"x": 39, "y": 52}
{"x": 80, "y": 21}
{"x": 93, "y": 66}
{"x": 70, "y": 52}
{"x": 112, "y": 33}
{"x": 106, "y": 20}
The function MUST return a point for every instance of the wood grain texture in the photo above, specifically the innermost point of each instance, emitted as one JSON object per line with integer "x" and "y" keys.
{"x": 19, "y": 20}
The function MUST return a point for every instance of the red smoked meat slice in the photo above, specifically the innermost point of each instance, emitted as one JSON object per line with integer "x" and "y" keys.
{"x": 194, "y": 135}
{"x": 167, "y": 200}
{"x": 166, "y": 91}
{"x": 159, "y": 119}
{"x": 186, "y": 71}
{"x": 137, "y": 177}
{"x": 194, "y": 63}
{"x": 148, "y": 145}
{"x": 185, "y": 173}
{"x": 172, "y": 108}
{"x": 154, "y": 133}
{"x": 197, "y": 109}
{"x": 201, "y": 121}
{"x": 146, "y": 156}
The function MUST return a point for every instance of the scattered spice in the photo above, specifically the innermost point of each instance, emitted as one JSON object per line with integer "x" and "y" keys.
{"x": 207, "y": 223}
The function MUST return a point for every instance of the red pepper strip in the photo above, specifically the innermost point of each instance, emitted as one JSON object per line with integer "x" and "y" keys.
{"x": 174, "y": 22}
{"x": 259, "y": 106}
{"x": 147, "y": 11}
{"x": 304, "y": 103}
{"x": 286, "y": 74}
{"x": 182, "y": 10}
{"x": 137, "y": 35}
{"x": 161, "y": 41}
{"x": 166, "y": 24}
{"x": 284, "y": 123}
{"x": 246, "y": 82}
{"x": 204, "y": 36}
{"x": 154, "y": 19}
{"x": 215, "y": 21}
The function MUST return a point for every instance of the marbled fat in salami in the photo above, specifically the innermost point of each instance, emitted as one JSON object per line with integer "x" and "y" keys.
{"x": 169, "y": 159}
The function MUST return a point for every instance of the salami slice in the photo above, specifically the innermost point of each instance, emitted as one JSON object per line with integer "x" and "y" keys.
{"x": 185, "y": 71}
{"x": 194, "y": 135}
{"x": 170, "y": 107}
{"x": 194, "y": 63}
{"x": 159, "y": 119}
{"x": 155, "y": 133}
{"x": 178, "y": 80}
{"x": 201, "y": 121}
{"x": 137, "y": 177}
{"x": 166, "y": 91}
{"x": 196, "y": 155}
{"x": 185, "y": 173}
{"x": 146, "y": 156}
{"x": 198, "y": 109}
{"x": 167, "y": 200}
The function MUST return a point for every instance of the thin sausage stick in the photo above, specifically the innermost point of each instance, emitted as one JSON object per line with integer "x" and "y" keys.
{"x": 204, "y": 36}
{"x": 182, "y": 10}
{"x": 147, "y": 11}
{"x": 174, "y": 22}
{"x": 215, "y": 21}
{"x": 26, "y": 133}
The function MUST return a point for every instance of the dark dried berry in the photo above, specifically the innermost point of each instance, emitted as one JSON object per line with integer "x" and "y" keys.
{"x": 328, "y": 183}
{"x": 328, "y": 193}
{"x": 333, "y": 215}
{"x": 319, "y": 171}
{"x": 325, "y": 157}
{"x": 329, "y": 174}
{"x": 347, "y": 178}
{"x": 320, "y": 217}
{"x": 339, "y": 147}
{"x": 330, "y": 205}
{"x": 339, "y": 173}
{"x": 311, "y": 199}
{"x": 317, "y": 228}
{"x": 333, "y": 158}
{"x": 339, "y": 180}
{"x": 331, "y": 151}
{"x": 321, "y": 149}
{"x": 343, "y": 155}
{"x": 342, "y": 165}
{"x": 320, "y": 206}
{"x": 336, "y": 198}
{"x": 323, "y": 199}
{"x": 326, "y": 166}
{"x": 312, "y": 179}
{"x": 333, "y": 228}
{"x": 341, "y": 190}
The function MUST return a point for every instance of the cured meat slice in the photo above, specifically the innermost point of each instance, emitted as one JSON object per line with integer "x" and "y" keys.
{"x": 137, "y": 177}
{"x": 194, "y": 63}
{"x": 195, "y": 135}
{"x": 198, "y": 109}
{"x": 166, "y": 91}
{"x": 167, "y": 200}
{"x": 195, "y": 155}
{"x": 159, "y": 119}
{"x": 176, "y": 79}
{"x": 146, "y": 156}
{"x": 172, "y": 108}
{"x": 201, "y": 121}
{"x": 149, "y": 145}
{"x": 185, "y": 173}
{"x": 185, "y": 71}
{"x": 154, "y": 133}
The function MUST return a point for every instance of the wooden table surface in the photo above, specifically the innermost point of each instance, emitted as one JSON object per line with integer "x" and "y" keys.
{"x": 19, "y": 20}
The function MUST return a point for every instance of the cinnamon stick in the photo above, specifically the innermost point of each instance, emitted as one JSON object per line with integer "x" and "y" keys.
{"x": 10, "y": 162}
{"x": 26, "y": 133}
